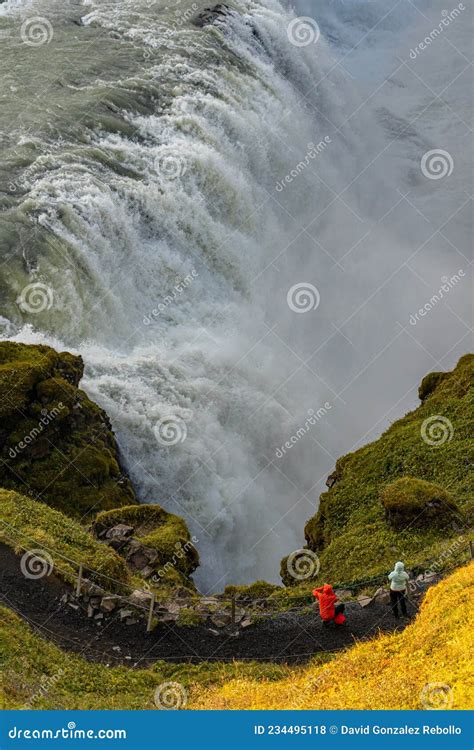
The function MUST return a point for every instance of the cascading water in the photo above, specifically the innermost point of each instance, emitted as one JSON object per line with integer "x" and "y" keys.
{"x": 167, "y": 189}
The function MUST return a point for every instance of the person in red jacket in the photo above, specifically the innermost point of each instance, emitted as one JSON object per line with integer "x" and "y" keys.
{"x": 328, "y": 609}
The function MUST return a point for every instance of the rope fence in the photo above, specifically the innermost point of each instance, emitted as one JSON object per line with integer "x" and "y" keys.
{"x": 233, "y": 601}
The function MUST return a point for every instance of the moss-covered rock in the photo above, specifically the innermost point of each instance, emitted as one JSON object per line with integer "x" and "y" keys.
{"x": 417, "y": 502}
{"x": 429, "y": 384}
{"x": 56, "y": 445}
{"x": 352, "y": 533}
{"x": 153, "y": 541}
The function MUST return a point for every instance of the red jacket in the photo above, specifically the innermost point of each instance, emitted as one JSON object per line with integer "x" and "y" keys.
{"x": 326, "y": 597}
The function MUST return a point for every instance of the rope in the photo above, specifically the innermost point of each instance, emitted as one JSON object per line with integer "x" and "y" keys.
{"x": 254, "y": 602}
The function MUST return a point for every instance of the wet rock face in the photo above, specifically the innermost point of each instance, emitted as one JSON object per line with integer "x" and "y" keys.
{"x": 56, "y": 445}
{"x": 209, "y": 15}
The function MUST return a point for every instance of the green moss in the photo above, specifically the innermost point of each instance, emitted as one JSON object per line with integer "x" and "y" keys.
{"x": 256, "y": 590}
{"x": 351, "y": 532}
{"x": 164, "y": 532}
{"x": 26, "y": 524}
{"x": 417, "y": 502}
{"x": 429, "y": 383}
{"x": 55, "y": 443}
{"x": 189, "y": 618}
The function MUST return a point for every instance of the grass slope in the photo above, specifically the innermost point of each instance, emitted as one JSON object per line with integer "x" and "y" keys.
{"x": 429, "y": 665}
{"x": 28, "y": 525}
{"x": 402, "y": 496}
{"x": 388, "y": 672}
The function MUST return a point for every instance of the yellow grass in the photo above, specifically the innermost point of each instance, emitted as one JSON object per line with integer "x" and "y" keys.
{"x": 429, "y": 665}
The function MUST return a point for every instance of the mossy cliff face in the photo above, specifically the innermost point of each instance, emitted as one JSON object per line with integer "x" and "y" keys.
{"x": 155, "y": 543}
{"x": 405, "y": 496}
{"x": 56, "y": 445}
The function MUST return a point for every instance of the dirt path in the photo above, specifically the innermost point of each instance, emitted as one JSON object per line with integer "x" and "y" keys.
{"x": 286, "y": 637}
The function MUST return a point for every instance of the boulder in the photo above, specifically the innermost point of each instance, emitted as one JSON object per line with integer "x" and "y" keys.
{"x": 121, "y": 530}
{"x": 124, "y": 613}
{"x": 221, "y": 619}
{"x": 109, "y": 603}
{"x": 382, "y": 596}
{"x": 210, "y": 15}
{"x": 140, "y": 598}
{"x": 92, "y": 589}
{"x": 364, "y": 601}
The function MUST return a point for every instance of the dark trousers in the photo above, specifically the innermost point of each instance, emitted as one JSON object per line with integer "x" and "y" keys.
{"x": 338, "y": 609}
{"x": 397, "y": 597}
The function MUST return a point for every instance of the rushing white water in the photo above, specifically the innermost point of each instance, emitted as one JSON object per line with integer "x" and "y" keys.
{"x": 170, "y": 244}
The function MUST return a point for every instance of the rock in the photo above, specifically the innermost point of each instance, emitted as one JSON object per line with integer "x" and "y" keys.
{"x": 138, "y": 556}
{"x": 213, "y": 632}
{"x": 147, "y": 571}
{"x": 364, "y": 601}
{"x": 246, "y": 622}
{"x": 210, "y": 15}
{"x": 92, "y": 588}
{"x": 116, "y": 648}
{"x": 109, "y": 603}
{"x": 41, "y": 385}
{"x": 124, "y": 613}
{"x": 95, "y": 601}
{"x": 90, "y": 611}
{"x": 99, "y": 616}
{"x": 221, "y": 619}
{"x": 131, "y": 621}
{"x": 208, "y": 601}
{"x": 331, "y": 480}
{"x": 382, "y": 596}
{"x": 73, "y": 606}
{"x": 140, "y": 598}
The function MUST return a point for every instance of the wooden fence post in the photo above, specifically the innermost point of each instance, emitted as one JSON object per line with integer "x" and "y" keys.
{"x": 232, "y": 609}
{"x": 79, "y": 581}
{"x": 150, "y": 613}
{"x": 471, "y": 547}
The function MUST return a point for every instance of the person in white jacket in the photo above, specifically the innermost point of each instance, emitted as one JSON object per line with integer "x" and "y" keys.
{"x": 398, "y": 588}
